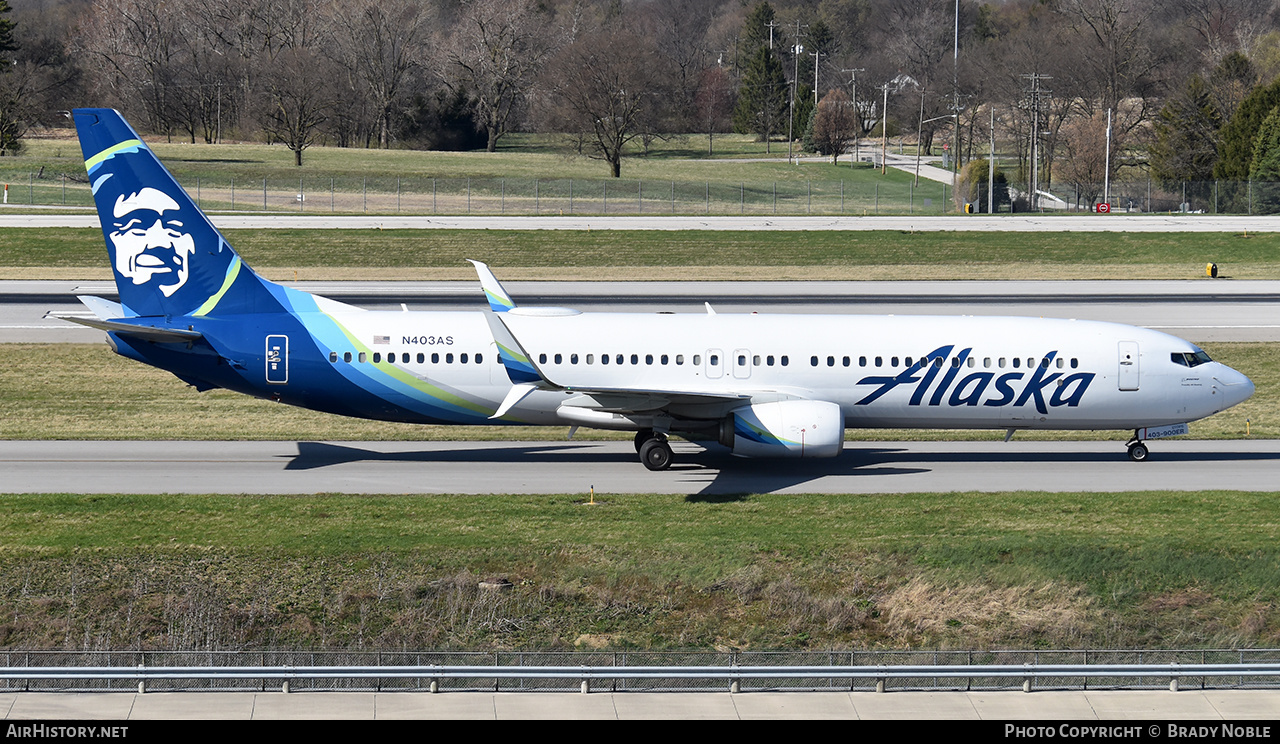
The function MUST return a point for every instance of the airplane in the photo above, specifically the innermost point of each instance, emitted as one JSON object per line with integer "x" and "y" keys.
{"x": 762, "y": 385}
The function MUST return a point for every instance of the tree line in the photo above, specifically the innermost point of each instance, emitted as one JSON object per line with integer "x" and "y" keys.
{"x": 1186, "y": 84}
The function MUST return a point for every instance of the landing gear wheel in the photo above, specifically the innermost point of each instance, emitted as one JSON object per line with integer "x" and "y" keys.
{"x": 643, "y": 436}
{"x": 1138, "y": 452}
{"x": 655, "y": 453}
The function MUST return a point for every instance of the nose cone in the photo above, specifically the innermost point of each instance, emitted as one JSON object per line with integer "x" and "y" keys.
{"x": 1233, "y": 386}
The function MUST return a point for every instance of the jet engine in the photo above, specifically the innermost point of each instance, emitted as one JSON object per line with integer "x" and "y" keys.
{"x": 786, "y": 428}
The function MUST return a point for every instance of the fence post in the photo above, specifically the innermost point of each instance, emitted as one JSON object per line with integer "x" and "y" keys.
{"x": 233, "y": 193}
{"x": 31, "y": 187}
{"x": 331, "y": 202}
{"x": 605, "y": 191}
{"x": 877, "y": 197}
{"x": 302, "y": 195}
{"x": 742, "y": 205}
{"x": 673, "y": 197}
{"x": 433, "y": 195}
{"x": 397, "y": 196}
{"x": 468, "y": 194}
{"x": 808, "y": 191}
{"x": 264, "y": 193}
{"x": 842, "y": 196}
{"x": 775, "y": 197}
{"x": 197, "y": 191}
{"x": 502, "y": 188}
{"x": 639, "y": 197}
{"x": 536, "y": 203}
{"x": 570, "y": 196}
{"x": 64, "y": 189}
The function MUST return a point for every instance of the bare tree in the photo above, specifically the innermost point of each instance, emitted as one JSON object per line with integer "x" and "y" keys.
{"x": 606, "y": 89}
{"x": 381, "y": 42}
{"x": 297, "y": 95}
{"x": 498, "y": 48}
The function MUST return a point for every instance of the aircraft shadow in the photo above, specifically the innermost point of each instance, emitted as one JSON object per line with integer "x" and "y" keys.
{"x": 321, "y": 454}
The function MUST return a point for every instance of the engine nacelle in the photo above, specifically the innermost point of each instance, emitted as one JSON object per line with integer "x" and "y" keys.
{"x": 786, "y": 428}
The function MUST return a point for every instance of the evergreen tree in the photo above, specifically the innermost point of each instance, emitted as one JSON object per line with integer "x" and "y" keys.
{"x": 1264, "y": 171}
{"x": 1186, "y": 135}
{"x": 7, "y": 43}
{"x": 755, "y": 33}
{"x": 1235, "y": 148}
{"x": 762, "y": 101}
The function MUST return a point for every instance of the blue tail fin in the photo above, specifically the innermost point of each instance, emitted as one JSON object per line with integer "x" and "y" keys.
{"x": 167, "y": 257}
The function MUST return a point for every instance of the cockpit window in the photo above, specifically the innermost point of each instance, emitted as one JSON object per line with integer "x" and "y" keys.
{"x": 1189, "y": 358}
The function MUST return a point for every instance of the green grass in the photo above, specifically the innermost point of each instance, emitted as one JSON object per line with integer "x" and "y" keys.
{"x": 333, "y": 254}
{"x": 74, "y": 391}
{"x": 972, "y": 570}
{"x": 682, "y": 158}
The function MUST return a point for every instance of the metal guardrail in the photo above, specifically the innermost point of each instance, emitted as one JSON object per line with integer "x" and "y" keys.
{"x": 1028, "y": 673}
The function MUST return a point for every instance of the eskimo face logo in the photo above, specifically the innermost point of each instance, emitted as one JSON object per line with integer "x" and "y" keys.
{"x": 150, "y": 242}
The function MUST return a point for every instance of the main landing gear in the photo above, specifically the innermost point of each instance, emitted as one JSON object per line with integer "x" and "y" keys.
{"x": 653, "y": 448}
{"x": 1137, "y": 450}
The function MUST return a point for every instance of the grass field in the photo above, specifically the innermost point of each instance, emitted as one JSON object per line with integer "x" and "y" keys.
{"x": 1006, "y": 570}
{"x": 73, "y": 391}
{"x": 30, "y": 253}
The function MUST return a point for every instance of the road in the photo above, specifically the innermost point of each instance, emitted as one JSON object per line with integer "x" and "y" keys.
{"x": 921, "y": 223}
{"x": 1112, "y": 705}
{"x": 1197, "y": 310}
{"x": 612, "y": 467}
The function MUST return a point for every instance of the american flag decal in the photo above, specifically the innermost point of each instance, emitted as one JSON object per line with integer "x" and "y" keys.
{"x": 381, "y": 339}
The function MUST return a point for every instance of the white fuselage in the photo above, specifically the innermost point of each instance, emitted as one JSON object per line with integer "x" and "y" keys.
{"x": 980, "y": 372}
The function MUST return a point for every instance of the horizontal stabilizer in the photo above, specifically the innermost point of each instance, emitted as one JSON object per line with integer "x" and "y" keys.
{"x": 149, "y": 333}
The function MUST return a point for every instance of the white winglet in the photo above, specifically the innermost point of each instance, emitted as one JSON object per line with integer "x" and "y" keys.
{"x": 516, "y": 394}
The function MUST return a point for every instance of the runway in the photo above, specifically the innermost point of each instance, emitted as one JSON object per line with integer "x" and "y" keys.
{"x": 918, "y": 223}
{"x": 612, "y": 467}
{"x": 1196, "y": 310}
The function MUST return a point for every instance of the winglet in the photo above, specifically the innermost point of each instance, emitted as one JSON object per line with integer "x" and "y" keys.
{"x": 499, "y": 300}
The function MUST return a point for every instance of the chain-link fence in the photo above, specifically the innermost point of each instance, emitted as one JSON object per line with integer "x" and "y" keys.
{"x": 515, "y": 196}
{"x": 675, "y": 660}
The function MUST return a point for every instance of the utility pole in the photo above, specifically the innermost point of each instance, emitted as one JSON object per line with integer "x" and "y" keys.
{"x": 955, "y": 88}
{"x": 1033, "y": 102}
{"x": 884, "y": 129}
{"x": 771, "y": 24}
{"x": 991, "y": 166}
{"x": 857, "y": 113}
{"x": 796, "y": 51}
{"x": 815, "y": 56}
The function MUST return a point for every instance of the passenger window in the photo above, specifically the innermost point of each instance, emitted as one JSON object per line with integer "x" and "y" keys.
{"x": 679, "y": 359}
{"x": 333, "y": 356}
{"x": 591, "y": 359}
{"x": 1061, "y": 362}
{"x": 907, "y": 361}
{"x": 635, "y": 359}
{"x": 542, "y": 359}
{"x": 559, "y": 358}
{"x": 955, "y": 362}
{"x": 1017, "y": 362}
{"x": 893, "y": 361}
{"x": 573, "y": 359}
{"x": 462, "y": 358}
{"x": 604, "y": 358}
{"x": 769, "y": 360}
{"x": 648, "y": 359}
{"x": 862, "y": 361}
{"x": 377, "y": 357}
{"x": 665, "y": 359}
{"x": 363, "y": 357}
{"x": 697, "y": 359}
{"x": 479, "y": 359}
{"x": 1044, "y": 363}
{"x": 421, "y": 357}
{"x": 785, "y": 360}
{"x": 1001, "y": 364}
{"x": 937, "y": 361}
{"x": 986, "y": 362}
{"x": 813, "y": 361}
{"x": 1074, "y": 362}
{"x": 879, "y": 361}
{"x": 742, "y": 360}
{"x": 435, "y": 358}
{"x": 845, "y": 361}
{"x": 755, "y": 360}
{"x": 346, "y": 356}
{"x": 715, "y": 360}
{"x": 973, "y": 361}
{"x": 618, "y": 359}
